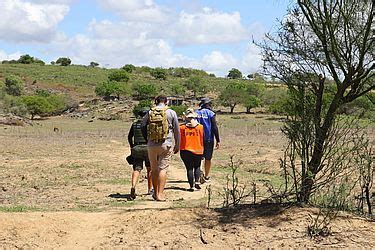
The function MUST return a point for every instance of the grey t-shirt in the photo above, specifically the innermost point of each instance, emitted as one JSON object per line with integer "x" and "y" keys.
{"x": 173, "y": 138}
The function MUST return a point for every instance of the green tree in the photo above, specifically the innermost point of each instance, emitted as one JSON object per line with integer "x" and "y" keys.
{"x": 159, "y": 73}
{"x": 197, "y": 85}
{"x": 320, "y": 40}
{"x": 249, "y": 102}
{"x": 118, "y": 76}
{"x": 63, "y": 61}
{"x": 234, "y": 74}
{"x": 93, "y": 64}
{"x": 37, "y": 105}
{"x": 14, "y": 85}
{"x": 26, "y": 59}
{"x": 128, "y": 68}
{"x": 144, "y": 90}
{"x": 232, "y": 94}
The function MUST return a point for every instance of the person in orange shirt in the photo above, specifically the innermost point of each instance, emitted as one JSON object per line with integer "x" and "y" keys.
{"x": 191, "y": 147}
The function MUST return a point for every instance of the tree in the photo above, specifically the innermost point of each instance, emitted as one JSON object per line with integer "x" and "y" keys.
{"x": 197, "y": 85}
{"x": 93, "y": 64}
{"x": 63, "y": 61}
{"x": 26, "y": 59}
{"x": 13, "y": 85}
{"x": 144, "y": 90}
{"x": 128, "y": 68}
{"x": 249, "y": 102}
{"x": 319, "y": 40}
{"x": 37, "y": 105}
{"x": 234, "y": 74}
{"x": 159, "y": 73}
{"x": 232, "y": 94}
{"x": 118, "y": 76}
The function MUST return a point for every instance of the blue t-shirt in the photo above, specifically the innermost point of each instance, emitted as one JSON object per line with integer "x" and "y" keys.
{"x": 205, "y": 118}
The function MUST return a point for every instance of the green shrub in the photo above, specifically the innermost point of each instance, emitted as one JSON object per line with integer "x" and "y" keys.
{"x": 14, "y": 85}
{"x": 140, "y": 105}
{"x": 118, "y": 76}
{"x": 144, "y": 90}
{"x": 14, "y": 105}
{"x": 128, "y": 68}
{"x": 37, "y": 105}
{"x": 176, "y": 88}
{"x": 106, "y": 89}
{"x": 159, "y": 73}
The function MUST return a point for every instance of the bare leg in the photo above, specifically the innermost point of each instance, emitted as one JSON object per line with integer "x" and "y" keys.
{"x": 149, "y": 179}
{"x": 161, "y": 184}
{"x": 207, "y": 167}
{"x": 155, "y": 179}
{"x": 135, "y": 177}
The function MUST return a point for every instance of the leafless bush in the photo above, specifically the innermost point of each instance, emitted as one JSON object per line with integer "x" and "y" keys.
{"x": 234, "y": 193}
{"x": 336, "y": 197}
{"x": 366, "y": 168}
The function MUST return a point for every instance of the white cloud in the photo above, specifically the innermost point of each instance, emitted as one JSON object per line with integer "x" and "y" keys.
{"x": 12, "y": 56}
{"x": 25, "y": 21}
{"x": 251, "y": 59}
{"x": 137, "y": 10}
{"x": 146, "y": 34}
{"x": 207, "y": 27}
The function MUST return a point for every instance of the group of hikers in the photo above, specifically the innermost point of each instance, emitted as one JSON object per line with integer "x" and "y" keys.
{"x": 157, "y": 135}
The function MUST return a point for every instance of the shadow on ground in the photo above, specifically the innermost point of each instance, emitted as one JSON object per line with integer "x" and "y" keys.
{"x": 121, "y": 196}
{"x": 244, "y": 215}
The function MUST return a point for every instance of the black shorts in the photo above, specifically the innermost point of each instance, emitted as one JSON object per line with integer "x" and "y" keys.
{"x": 140, "y": 155}
{"x": 208, "y": 150}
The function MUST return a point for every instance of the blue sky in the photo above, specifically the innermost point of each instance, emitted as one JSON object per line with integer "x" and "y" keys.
{"x": 205, "y": 34}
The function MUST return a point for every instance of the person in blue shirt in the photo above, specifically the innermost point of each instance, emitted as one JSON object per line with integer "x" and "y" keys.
{"x": 207, "y": 118}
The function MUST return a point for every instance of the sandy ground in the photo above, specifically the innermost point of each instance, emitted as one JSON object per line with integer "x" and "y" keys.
{"x": 74, "y": 185}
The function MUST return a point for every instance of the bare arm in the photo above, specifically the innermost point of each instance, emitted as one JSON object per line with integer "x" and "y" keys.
{"x": 130, "y": 136}
{"x": 144, "y": 126}
{"x": 176, "y": 133}
{"x": 215, "y": 129}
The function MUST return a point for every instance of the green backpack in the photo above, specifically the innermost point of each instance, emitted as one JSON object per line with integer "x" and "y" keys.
{"x": 157, "y": 129}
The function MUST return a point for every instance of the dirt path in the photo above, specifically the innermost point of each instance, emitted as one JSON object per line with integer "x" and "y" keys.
{"x": 175, "y": 190}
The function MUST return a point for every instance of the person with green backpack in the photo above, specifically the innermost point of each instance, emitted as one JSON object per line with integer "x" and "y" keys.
{"x": 139, "y": 154}
{"x": 161, "y": 129}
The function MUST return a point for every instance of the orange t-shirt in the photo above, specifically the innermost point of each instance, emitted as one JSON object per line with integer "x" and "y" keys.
{"x": 192, "y": 139}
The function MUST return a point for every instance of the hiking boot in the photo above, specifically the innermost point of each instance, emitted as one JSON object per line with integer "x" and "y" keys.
{"x": 132, "y": 193}
{"x": 197, "y": 186}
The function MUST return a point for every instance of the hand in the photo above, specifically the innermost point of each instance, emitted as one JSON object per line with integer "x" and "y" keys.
{"x": 217, "y": 145}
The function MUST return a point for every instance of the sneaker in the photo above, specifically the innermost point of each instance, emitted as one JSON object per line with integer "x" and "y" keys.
{"x": 132, "y": 193}
{"x": 207, "y": 179}
{"x": 197, "y": 186}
